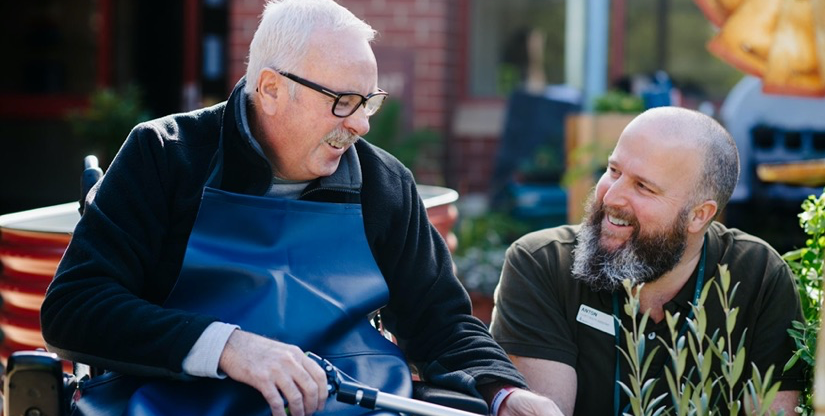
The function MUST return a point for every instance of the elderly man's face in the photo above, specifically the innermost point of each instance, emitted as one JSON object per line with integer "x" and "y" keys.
{"x": 308, "y": 140}
{"x": 637, "y": 219}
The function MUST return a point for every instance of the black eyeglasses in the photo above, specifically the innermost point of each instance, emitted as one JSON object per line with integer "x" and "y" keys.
{"x": 345, "y": 103}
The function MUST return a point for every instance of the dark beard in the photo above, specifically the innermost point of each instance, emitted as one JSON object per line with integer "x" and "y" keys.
{"x": 641, "y": 259}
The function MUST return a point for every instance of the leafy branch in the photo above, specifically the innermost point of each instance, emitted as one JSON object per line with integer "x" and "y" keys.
{"x": 695, "y": 389}
{"x": 641, "y": 387}
{"x": 806, "y": 264}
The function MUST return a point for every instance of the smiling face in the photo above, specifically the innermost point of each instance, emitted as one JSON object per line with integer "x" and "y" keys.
{"x": 651, "y": 177}
{"x": 301, "y": 137}
{"x": 642, "y": 215}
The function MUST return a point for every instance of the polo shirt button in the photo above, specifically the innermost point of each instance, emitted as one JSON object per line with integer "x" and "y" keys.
{"x": 651, "y": 336}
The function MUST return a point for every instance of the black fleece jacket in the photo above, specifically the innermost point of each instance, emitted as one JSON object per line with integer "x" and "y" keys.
{"x": 103, "y": 307}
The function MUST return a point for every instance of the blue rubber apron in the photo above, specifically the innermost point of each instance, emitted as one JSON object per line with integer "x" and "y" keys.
{"x": 300, "y": 272}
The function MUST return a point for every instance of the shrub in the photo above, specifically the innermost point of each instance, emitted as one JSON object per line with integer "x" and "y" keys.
{"x": 695, "y": 390}
{"x": 806, "y": 264}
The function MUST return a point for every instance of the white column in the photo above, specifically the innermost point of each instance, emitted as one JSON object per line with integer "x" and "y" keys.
{"x": 574, "y": 42}
{"x": 586, "y": 47}
{"x": 598, "y": 25}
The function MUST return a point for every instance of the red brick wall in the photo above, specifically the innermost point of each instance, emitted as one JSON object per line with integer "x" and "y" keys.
{"x": 243, "y": 20}
{"x": 419, "y": 27}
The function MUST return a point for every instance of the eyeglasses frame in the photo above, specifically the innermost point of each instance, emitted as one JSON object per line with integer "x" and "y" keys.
{"x": 334, "y": 94}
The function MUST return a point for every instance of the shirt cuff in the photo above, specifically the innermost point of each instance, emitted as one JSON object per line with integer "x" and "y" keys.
{"x": 205, "y": 355}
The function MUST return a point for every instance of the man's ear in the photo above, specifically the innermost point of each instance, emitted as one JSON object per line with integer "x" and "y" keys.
{"x": 270, "y": 86}
{"x": 701, "y": 215}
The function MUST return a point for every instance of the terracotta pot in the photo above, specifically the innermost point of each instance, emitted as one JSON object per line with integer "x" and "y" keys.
{"x": 482, "y": 306}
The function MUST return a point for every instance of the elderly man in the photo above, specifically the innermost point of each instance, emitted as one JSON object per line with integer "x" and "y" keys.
{"x": 224, "y": 243}
{"x": 650, "y": 220}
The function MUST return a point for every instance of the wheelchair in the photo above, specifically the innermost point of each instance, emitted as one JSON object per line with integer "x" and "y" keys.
{"x": 36, "y": 383}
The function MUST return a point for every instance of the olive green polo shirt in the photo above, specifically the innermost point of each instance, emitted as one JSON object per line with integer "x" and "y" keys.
{"x": 538, "y": 303}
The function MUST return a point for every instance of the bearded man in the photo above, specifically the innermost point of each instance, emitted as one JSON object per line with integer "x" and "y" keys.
{"x": 649, "y": 220}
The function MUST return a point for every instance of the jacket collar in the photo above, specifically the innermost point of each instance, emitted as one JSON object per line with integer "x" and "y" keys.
{"x": 240, "y": 144}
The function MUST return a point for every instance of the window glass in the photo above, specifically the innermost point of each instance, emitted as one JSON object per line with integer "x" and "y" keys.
{"x": 498, "y": 36}
{"x": 48, "y": 47}
{"x": 658, "y": 34}
{"x": 672, "y": 35}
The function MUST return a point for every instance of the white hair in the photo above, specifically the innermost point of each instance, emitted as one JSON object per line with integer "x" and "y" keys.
{"x": 286, "y": 25}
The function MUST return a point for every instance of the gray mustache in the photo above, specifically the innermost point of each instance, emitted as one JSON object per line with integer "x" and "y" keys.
{"x": 341, "y": 137}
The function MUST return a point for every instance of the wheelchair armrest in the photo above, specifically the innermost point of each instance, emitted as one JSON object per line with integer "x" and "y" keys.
{"x": 450, "y": 398}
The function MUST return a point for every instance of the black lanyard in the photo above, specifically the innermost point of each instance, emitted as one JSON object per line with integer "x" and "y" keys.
{"x": 700, "y": 282}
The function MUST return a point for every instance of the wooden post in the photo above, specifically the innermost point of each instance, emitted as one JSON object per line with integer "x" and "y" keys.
{"x": 819, "y": 373}
{"x": 589, "y": 139}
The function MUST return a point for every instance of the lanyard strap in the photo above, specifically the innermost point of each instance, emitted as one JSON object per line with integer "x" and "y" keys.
{"x": 700, "y": 282}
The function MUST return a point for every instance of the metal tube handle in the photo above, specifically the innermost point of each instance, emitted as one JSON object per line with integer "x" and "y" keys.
{"x": 417, "y": 407}
{"x": 370, "y": 398}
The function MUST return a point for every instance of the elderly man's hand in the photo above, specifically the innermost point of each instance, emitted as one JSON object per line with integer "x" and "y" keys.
{"x": 279, "y": 371}
{"x": 525, "y": 403}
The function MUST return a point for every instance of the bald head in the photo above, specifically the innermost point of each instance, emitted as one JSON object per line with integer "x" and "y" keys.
{"x": 719, "y": 170}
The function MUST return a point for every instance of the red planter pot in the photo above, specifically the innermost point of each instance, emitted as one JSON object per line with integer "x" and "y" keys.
{"x": 31, "y": 245}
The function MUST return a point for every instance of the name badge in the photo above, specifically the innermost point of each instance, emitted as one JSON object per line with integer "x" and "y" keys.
{"x": 596, "y": 319}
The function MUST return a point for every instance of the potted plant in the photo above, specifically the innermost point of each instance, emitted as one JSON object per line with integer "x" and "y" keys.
{"x": 104, "y": 124}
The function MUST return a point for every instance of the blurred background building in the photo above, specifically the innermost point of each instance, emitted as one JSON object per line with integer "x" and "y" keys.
{"x": 515, "y": 104}
{"x": 451, "y": 65}
{"x": 484, "y": 91}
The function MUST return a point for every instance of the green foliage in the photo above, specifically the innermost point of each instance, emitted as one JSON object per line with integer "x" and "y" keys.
{"x": 586, "y": 159}
{"x": 618, "y": 102}
{"x": 806, "y": 264}
{"x": 545, "y": 166}
{"x": 482, "y": 243}
{"x": 641, "y": 387}
{"x": 387, "y": 132}
{"x": 759, "y": 390}
{"x": 694, "y": 390}
{"x": 509, "y": 78}
{"x": 492, "y": 229}
{"x": 111, "y": 115}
